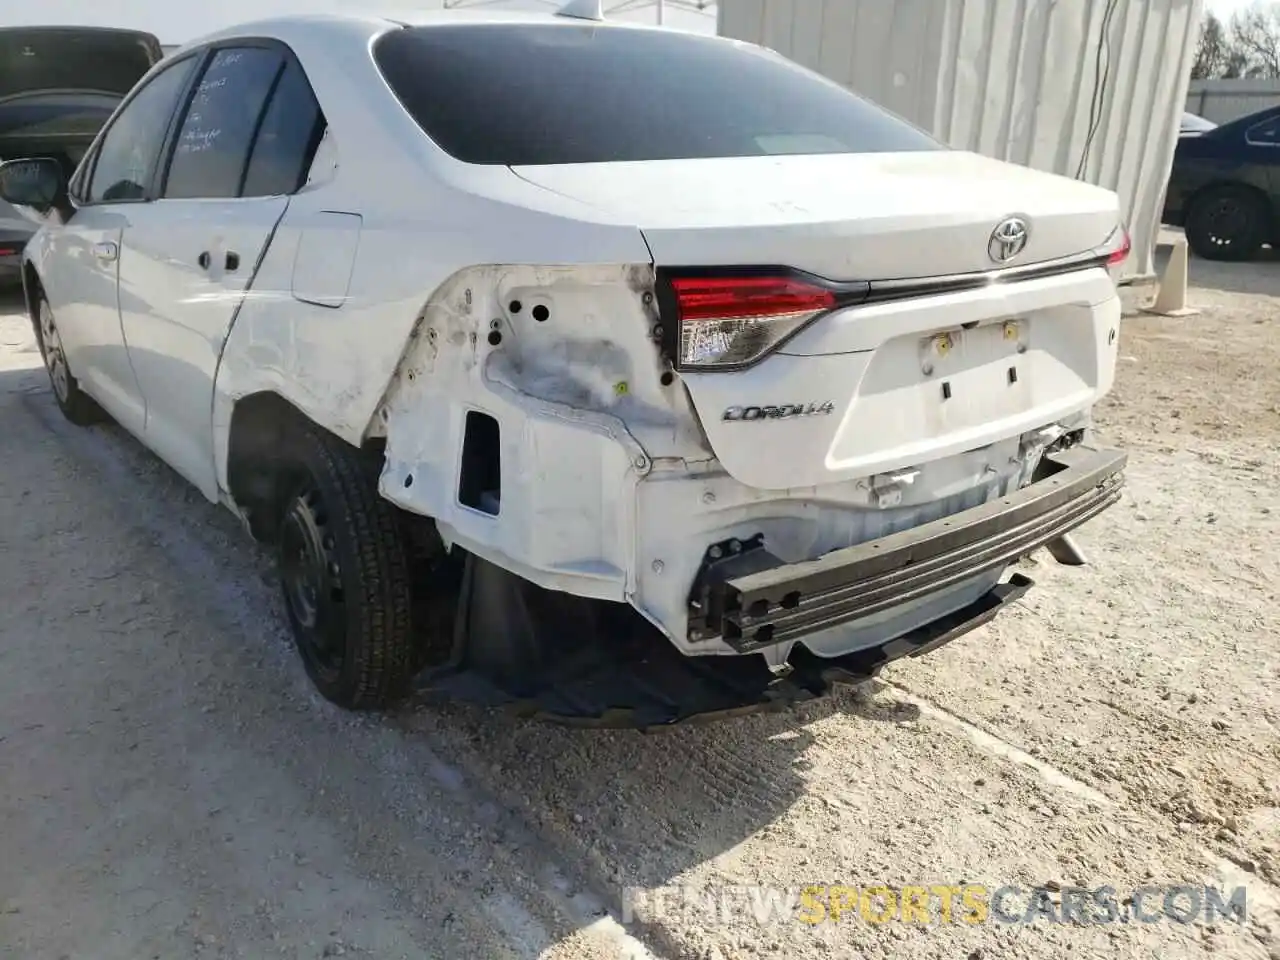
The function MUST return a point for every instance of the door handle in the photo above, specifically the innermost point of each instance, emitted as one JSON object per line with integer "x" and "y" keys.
{"x": 231, "y": 261}
{"x": 106, "y": 250}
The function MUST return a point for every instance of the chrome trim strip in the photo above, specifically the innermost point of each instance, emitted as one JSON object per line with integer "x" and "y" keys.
{"x": 885, "y": 290}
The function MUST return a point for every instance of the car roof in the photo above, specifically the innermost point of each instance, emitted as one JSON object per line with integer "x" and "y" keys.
{"x": 377, "y": 18}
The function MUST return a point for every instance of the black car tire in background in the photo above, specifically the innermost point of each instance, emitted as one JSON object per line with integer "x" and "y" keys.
{"x": 1227, "y": 223}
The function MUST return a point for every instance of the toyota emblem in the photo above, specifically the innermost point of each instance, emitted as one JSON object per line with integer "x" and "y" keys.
{"x": 1008, "y": 239}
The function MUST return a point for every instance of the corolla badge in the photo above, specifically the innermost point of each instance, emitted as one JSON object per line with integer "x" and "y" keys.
{"x": 1008, "y": 239}
{"x": 782, "y": 411}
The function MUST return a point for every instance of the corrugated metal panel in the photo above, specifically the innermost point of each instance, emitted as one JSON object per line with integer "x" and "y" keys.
{"x": 1222, "y": 101}
{"x": 1013, "y": 79}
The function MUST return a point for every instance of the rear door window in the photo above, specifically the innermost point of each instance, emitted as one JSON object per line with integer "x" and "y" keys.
{"x": 212, "y": 147}
{"x": 527, "y": 94}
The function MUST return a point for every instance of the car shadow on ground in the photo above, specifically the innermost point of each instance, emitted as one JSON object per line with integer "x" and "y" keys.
{"x": 632, "y": 809}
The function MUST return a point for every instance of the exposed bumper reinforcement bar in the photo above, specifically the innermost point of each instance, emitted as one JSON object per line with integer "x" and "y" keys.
{"x": 755, "y": 600}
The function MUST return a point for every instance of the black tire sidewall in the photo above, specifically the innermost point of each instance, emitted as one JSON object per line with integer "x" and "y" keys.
{"x": 310, "y": 461}
{"x": 1242, "y": 247}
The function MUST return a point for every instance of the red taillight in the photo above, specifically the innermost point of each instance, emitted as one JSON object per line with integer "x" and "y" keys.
{"x": 727, "y": 323}
{"x": 1121, "y": 253}
{"x": 730, "y": 298}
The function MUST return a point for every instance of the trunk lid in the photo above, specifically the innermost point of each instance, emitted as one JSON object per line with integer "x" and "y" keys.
{"x": 840, "y": 216}
{"x": 880, "y": 387}
{"x": 47, "y": 59}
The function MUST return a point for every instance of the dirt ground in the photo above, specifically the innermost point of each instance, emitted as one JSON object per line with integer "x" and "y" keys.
{"x": 170, "y": 787}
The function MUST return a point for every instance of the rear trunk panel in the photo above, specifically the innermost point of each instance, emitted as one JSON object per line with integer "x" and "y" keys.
{"x": 898, "y": 383}
{"x": 840, "y": 216}
{"x": 912, "y": 382}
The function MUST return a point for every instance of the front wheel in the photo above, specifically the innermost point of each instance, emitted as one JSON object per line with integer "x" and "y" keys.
{"x": 76, "y": 405}
{"x": 1226, "y": 223}
{"x": 345, "y": 567}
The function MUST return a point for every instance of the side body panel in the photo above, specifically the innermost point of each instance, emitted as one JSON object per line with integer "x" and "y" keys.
{"x": 78, "y": 264}
{"x": 185, "y": 267}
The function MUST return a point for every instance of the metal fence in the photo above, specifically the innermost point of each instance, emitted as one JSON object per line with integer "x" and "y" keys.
{"x": 1081, "y": 88}
{"x": 1221, "y": 101}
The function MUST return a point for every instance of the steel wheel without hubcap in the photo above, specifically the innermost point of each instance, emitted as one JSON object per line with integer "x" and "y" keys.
{"x": 312, "y": 577}
{"x": 55, "y": 361}
{"x": 345, "y": 569}
{"x": 1225, "y": 224}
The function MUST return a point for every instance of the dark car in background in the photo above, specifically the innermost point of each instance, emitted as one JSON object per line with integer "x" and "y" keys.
{"x": 58, "y": 86}
{"x": 1224, "y": 188}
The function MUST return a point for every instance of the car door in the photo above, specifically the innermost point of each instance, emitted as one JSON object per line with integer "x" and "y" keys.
{"x": 1262, "y": 146}
{"x": 80, "y": 275}
{"x": 194, "y": 252}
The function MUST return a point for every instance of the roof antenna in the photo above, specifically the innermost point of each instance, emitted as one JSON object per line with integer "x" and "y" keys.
{"x": 582, "y": 10}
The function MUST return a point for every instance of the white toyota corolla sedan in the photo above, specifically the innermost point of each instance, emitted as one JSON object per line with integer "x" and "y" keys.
{"x": 624, "y": 374}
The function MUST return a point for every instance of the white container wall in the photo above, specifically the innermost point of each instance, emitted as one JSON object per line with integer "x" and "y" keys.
{"x": 1092, "y": 89}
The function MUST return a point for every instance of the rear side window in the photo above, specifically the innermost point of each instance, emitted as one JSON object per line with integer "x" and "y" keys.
{"x": 529, "y": 94}
{"x": 287, "y": 140}
{"x": 217, "y": 131}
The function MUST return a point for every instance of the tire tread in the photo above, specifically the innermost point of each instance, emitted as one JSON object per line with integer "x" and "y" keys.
{"x": 376, "y": 561}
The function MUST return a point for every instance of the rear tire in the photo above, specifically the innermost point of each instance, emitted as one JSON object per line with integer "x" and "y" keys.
{"x": 76, "y": 405}
{"x": 1226, "y": 223}
{"x": 346, "y": 564}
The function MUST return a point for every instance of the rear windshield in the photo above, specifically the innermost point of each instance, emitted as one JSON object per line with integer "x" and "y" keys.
{"x": 532, "y": 94}
{"x": 67, "y": 58}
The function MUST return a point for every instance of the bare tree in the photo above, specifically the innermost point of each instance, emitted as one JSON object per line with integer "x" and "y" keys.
{"x": 1254, "y": 43}
{"x": 1212, "y": 49}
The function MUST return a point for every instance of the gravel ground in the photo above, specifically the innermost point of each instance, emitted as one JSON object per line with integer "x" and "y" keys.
{"x": 170, "y": 787}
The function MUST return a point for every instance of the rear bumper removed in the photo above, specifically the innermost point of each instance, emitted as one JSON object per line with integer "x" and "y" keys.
{"x": 625, "y": 675}
{"x": 752, "y": 600}
{"x": 600, "y": 664}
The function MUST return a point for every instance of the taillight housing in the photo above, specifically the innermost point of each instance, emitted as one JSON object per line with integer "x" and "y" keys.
{"x": 729, "y": 322}
{"x": 1117, "y": 247}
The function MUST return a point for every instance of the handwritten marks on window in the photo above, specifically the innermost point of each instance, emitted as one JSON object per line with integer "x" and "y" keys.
{"x": 196, "y": 136}
{"x": 198, "y": 140}
{"x": 218, "y": 128}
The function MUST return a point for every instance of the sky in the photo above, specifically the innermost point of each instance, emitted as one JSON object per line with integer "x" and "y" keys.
{"x": 1224, "y": 8}
{"x": 177, "y": 21}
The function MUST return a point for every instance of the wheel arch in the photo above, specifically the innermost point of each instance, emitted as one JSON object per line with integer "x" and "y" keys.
{"x": 259, "y": 430}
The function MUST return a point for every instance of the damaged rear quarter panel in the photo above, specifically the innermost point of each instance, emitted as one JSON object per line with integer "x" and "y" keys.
{"x": 564, "y": 359}
{"x": 334, "y": 362}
